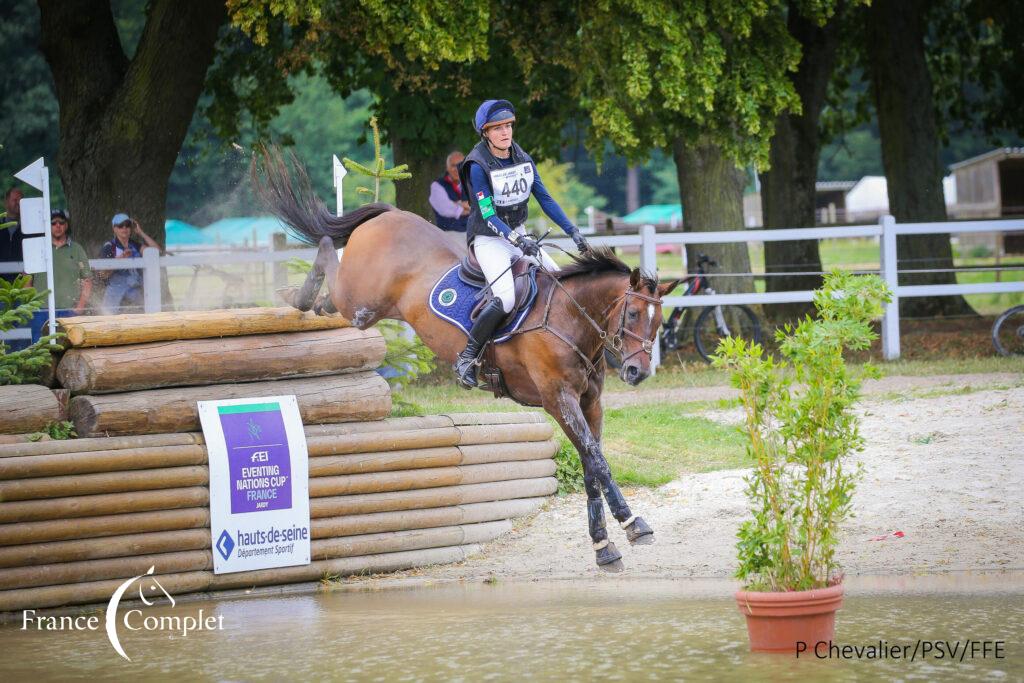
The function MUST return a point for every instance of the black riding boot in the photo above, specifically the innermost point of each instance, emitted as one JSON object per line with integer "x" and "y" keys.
{"x": 483, "y": 328}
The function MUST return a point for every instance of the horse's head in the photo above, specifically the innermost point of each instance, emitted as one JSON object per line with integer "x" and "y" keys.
{"x": 638, "y": 320}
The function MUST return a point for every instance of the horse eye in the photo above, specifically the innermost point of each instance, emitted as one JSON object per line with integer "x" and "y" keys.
{"x": 633, "y": 315}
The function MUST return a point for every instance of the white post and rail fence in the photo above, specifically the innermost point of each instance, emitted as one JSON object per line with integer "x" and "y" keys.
{"x": 647, "y": 240}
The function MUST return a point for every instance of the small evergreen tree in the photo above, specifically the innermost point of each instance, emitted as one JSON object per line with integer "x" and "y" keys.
{"x": 18, "y": 302}
{"x": 378, "y": 171}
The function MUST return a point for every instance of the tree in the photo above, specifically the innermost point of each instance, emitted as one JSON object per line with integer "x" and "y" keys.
{"x": 122, "y": 121}
{"x": 704, "y": 80}
{"x": 410, "y": 55}
{"x": 901, "y": 85}
{"x": 788, "y": 185}
{"x": 28, "y": 118}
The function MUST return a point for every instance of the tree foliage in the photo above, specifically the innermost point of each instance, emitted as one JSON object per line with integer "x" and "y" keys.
{"x": 654, "y": 72}
{"x": 18, "y": 302}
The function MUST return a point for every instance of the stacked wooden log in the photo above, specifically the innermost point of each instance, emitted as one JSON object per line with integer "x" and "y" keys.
{"x": 77, "y": 517}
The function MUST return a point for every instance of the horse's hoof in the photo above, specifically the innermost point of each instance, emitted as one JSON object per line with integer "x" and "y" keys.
{"x": 639, "y": 533}
{"x": 287, "y": 295}
{"x": 615, "y": 567}
{"x": 608, "y": 556}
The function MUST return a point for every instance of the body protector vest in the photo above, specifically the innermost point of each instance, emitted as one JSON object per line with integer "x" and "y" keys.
{"x": 511, "y": 182}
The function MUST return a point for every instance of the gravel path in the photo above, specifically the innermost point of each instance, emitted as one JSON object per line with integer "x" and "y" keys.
{"x": 946, "y": 470}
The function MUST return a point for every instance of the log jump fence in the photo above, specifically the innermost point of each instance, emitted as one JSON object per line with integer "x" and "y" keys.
{"x": 79, "y": 516}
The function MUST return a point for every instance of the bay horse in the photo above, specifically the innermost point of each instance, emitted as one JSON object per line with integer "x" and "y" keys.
{"x": 393, "y": 258}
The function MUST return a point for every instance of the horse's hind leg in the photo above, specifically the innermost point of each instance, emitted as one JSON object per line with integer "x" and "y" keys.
{"x": 306, "y": 296}
{"x": 637, "y": 530}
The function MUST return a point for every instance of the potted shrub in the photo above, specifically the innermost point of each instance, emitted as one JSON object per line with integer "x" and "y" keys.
{"x": 802, "y": 430}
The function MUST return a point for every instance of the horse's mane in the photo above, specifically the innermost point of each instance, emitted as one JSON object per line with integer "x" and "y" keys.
{"x": 602, "y": 260}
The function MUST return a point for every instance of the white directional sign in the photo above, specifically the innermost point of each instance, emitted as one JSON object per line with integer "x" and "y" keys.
{"x": 35, "y": 174}
{"x": 34, "y": 218}
{"x": 36, "y": 251}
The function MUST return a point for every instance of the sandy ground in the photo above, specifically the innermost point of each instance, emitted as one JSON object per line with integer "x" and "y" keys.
{"x": 946, "y": 470}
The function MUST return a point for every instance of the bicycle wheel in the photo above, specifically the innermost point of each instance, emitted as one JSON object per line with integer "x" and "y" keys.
{"x": 670, "y": 336}
{"x": 1008, "y": 332}
{"x": 734, "y": 321}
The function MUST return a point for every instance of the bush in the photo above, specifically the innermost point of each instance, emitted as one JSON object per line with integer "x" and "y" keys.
{"x": 801, "y": 428}
{"x": 568, "y": 468}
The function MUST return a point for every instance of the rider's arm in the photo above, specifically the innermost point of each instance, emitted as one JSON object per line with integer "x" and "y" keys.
{"x": 549, "y": 205}
{"x": 482, "y": 196}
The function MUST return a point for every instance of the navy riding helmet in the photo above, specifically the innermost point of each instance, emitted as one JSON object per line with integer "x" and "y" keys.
{"x": 491, "y": 111}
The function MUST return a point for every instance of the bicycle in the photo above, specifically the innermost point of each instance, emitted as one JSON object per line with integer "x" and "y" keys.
{"x": 713, "y": 323}
{"x": 1008, "y": 332}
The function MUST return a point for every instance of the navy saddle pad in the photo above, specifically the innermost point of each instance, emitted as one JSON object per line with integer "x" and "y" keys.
{"x": 453, "y": 300}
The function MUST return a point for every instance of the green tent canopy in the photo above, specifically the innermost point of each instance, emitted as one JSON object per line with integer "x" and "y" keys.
{"x": 181, "y": 234}
{"x": 656, "y": 214}
{"x": 238, "y": 231}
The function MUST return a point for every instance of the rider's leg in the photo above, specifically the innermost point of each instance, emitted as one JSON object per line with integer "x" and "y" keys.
{"x": 495, "y": 256}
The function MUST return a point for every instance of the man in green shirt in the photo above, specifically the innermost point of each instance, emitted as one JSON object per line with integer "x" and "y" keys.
{"x": 71, "y": 275}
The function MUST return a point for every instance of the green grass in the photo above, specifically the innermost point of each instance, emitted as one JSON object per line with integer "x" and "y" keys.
{"x": 646, "y": 445}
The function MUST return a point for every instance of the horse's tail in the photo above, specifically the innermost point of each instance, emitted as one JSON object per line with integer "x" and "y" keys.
{"x": 298, "y": 207}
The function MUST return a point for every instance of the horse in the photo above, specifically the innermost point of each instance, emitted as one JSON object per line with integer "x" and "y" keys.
{"x": 393, "y": 258}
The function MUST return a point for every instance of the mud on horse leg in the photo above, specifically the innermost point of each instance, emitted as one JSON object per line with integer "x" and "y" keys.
{"x": 569, "y": 415}
{"x": 637, "y": 530}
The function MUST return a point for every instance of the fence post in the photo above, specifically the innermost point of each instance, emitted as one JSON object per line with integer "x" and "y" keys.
{"x": 152, "y": 298}
{"x": 890, "y": 273}
{"x": 649, "y": 263}
{"x": 277, "y": 243}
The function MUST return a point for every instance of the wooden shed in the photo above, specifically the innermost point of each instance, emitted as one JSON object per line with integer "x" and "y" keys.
{"x": 991, "y": 185}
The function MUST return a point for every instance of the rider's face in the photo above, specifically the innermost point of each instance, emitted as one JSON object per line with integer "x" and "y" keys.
{"x": 500, "y": 135}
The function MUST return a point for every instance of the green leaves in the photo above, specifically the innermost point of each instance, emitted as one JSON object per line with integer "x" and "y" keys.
{"x": 801, "y": 427}
{"x": 18, "y": 302}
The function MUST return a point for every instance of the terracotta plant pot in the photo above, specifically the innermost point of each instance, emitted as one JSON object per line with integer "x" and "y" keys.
{"x": 776, "y": 622}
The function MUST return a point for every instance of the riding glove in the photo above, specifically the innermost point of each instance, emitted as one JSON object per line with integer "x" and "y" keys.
{"x": 581, "y": 242}
{"x": 527, "y": 245}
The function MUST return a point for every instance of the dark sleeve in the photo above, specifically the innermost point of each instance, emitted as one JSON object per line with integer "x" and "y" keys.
{"x": 549, "y": 205}
{"x": 478, "y": 185}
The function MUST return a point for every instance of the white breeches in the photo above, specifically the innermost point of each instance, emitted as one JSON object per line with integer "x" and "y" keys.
{"x": 495, "y": 254}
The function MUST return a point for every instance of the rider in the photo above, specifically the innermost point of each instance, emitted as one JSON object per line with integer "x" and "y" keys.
{"x": 499, "y": 178}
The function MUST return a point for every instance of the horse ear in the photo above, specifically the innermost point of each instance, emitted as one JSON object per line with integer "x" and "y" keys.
{"x": 634, "y": 279}
{"x": 666, "y": 287}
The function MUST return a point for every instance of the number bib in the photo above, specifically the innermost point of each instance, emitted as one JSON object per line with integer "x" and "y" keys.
{"x": 511, "y": 186}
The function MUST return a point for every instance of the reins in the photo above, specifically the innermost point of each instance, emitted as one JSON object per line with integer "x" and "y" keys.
{"x": 614, "y": 343}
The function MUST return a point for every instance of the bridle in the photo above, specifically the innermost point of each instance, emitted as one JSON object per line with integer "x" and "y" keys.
{"x": 613, "y": 343}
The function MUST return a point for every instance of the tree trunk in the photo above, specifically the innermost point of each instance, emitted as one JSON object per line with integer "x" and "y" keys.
{"x": 122, "y": 121}
{"x": 412, "y": 194}
{"x": 788, "y": 188}
{"x": 711, "y": 189}
{"x": 902, "y": 89}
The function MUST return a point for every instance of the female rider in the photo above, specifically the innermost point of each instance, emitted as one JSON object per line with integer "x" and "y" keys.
{"x": 500, "y": 177}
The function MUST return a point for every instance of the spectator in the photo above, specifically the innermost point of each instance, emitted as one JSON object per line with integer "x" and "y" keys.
{"x": 451, "y": 210}
{"x": 12, "y": 237}
{"x": 124, "y": 287}
{"x": 72, "y": 279}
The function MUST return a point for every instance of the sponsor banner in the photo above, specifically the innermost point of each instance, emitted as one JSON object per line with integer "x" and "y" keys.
{"x": 259, "y": 483}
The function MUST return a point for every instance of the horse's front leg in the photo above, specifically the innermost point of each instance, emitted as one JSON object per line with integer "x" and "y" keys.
{"x": 638, "y": 532}
{"x": 564, "y": 406}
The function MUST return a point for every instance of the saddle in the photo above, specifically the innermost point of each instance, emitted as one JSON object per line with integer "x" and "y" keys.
{"x": 524, "y": 274}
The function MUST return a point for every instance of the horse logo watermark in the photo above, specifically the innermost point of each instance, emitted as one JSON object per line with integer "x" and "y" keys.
{"x": 447, "y": 297}
{"x": 151, "y": 592}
